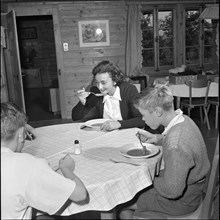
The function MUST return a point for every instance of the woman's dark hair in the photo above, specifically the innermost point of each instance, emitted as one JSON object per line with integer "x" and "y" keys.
{"x": 114, "y": 71}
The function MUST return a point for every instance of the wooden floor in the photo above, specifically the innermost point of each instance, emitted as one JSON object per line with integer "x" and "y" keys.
{"x": 210, "y": 137}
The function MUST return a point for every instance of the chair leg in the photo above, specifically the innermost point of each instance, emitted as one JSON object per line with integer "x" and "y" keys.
{"x": 216, "y": 117}
{"x": 208, "y": 108}
{"x": 201, "y": 116}
{"x": 207, "y": 119}
{"x": 189, "y": 112}
{"x": 207, "y": 112}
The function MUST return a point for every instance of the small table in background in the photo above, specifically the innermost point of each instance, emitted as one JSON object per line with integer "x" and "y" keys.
{"x": 182, "y": 90}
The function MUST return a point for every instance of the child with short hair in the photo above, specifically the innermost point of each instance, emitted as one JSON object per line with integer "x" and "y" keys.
{"x": 28, "y": 182}
{"x": 178, "y": 189}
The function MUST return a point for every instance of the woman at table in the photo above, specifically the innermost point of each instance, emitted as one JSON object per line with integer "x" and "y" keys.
{"x": 29, "y": 182}
{"x": 116, "y": 103}
{"x": 178, "y": 189}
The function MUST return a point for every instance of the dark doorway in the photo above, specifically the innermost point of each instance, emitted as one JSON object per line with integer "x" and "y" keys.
{"x": 39, "y": 67}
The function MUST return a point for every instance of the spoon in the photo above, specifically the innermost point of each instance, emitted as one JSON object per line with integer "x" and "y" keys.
{"x": 96, "y": 94}
{"x": 121, "y": 161}
{"x": 84, "y": 91}
{"x": 144, "y": 147}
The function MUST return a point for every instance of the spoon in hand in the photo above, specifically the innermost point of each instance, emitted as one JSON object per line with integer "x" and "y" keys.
{"x": 144, "y": 147}
{"x": 96, "y": 94}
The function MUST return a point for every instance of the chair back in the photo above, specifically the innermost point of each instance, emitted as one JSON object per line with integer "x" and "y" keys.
{"x": 198, "y": 83}
{"x": 142, "y": 80}
{"x": 208, "y": 200}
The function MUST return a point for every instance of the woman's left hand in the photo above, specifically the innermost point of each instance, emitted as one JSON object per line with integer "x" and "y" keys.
{"x": 110, "y": 125}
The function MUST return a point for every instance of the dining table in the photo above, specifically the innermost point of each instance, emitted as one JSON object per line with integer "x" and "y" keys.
{"x": 182, "y": 91}
{"x": 109, "y": 182}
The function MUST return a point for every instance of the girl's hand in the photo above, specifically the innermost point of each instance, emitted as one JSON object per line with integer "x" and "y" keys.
{"x": 110, "y": 125}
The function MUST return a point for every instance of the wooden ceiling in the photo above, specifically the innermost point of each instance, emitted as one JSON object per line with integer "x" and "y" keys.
{"x": 155, "y": 1}
{"x": 5, "y": 2}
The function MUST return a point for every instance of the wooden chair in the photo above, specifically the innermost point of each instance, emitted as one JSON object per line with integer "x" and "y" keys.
{"x": 205, "y": 209}
{"x": 201, "y": 102}
{"x": 214, "y": 101}
{"x": 142, "y": 80}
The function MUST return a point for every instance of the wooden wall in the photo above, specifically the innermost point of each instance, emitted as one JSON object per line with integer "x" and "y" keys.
{"x": 77, "y": 63}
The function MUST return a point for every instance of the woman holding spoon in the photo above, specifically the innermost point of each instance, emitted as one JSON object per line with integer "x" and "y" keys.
{"x": 115, "y": 103}
{"x": 87, "y": 100}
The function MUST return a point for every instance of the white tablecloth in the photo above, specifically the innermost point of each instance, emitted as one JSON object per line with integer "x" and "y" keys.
{"x": 108, "y": 183}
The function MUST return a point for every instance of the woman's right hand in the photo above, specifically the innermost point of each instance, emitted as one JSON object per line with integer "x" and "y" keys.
{"x": 82, "y": 95}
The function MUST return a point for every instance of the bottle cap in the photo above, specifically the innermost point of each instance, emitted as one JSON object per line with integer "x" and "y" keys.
{"x": 76, "y": 142}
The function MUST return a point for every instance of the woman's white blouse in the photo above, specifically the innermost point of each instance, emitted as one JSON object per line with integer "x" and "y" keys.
{"x": 112, "y": 106}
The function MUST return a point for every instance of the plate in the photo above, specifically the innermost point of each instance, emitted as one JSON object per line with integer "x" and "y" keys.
{"x": 126, "y": 150}
{"x": 95, "y": 123}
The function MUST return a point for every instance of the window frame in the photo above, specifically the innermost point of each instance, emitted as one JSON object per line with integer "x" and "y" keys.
{"x": 201, "y": 65}
{"x": 179, "y": 43}
{"x": 201, "y": 46}
{"x": 155, "y": 9}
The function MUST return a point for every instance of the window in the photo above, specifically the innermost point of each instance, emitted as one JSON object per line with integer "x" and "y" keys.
{"x": 200, "y": 45}
{"x": 192, "y": 37}
{"x": 209, "y": 41}
{"x": 172, "y": 36}
{"x": 157, "y": 35}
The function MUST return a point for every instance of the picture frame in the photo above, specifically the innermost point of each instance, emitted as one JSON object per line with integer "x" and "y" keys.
{"x": 28, "y": 33}
{"x": 94, "y": 33}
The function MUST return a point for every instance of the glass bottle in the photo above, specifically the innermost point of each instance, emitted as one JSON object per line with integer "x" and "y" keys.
{"x": 77, "y": 147}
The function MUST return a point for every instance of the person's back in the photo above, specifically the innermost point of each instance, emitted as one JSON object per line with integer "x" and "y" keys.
{"x": 189, "y": 139}
{"x": 27, "y": 181}
{"x": 178, "y": 188}
{"x": 16, "y": 173}
{"x": 183, "y": 149}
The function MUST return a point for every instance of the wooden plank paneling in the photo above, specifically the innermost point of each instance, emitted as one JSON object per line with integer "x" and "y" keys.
{"x": 76, "y": 64}
{"x": 79, "y": 62}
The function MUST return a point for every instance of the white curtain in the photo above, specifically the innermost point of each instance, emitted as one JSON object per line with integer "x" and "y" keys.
{"x": 217, "y": 39}
{"x": 3, "y": 42}
{"x": 133, "y": 61}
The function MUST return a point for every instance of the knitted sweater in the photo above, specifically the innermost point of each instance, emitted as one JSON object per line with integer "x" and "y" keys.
{"x": 185, "y": 159}
{"x": 130, "y": 115}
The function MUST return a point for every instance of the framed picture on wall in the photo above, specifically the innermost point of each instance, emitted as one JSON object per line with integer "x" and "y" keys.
{"x": 94, "y": 33}
{"x": 28, "y": 33}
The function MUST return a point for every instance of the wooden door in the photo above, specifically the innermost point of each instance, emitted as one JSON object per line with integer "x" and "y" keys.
{"x": 12, "y": 61}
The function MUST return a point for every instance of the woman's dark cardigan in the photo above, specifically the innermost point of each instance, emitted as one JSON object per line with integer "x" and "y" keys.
{"x": 130, "y": 115}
